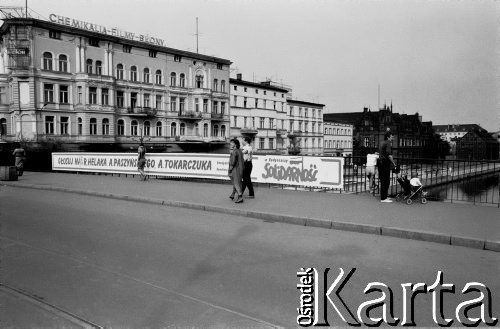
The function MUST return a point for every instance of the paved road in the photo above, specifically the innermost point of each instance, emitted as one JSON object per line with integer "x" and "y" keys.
{"x": 125, "y": 264}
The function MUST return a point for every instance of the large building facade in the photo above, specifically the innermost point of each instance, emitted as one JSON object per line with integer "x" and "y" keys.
{"x": 80, "y": 84}
{"x": 306, "y": 126}
{"x": 338, "y": 139}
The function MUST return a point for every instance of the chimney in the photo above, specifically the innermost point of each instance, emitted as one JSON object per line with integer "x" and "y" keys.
{"x": 239, "y": 76}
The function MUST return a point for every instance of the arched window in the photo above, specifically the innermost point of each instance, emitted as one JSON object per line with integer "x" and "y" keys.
{"x": 133, "y": 128}
{"x": 205, "y": 130}
{"x": 121, "y": 127}
{"x": 147, "y": 128}
{"x": 159, "y": 130}
{"x": 173, "y": 129}
{"x": 105, "y": 126}
{"x": 199, "y": 81}
{"x": 182, "y": 80}
{"x": 3, "y": 126}
{"x": 223, "y": 131}
{"x": 63, "y": 63}
{"x": 80, "y": 126}
{"x": 182, "y": 131}
{"x": 133, "y": 73}
{"x": 93, "y": 126}
{"x": 215, "y": 130}
{"x": 47, "y": 61}
{"x": 119, "y": 71}
{"x": 158, "y": 77}
{"x": 146, "y": 75}
{"x": 88, "y": 66}
{"x": 173, "y": 78}
{"x": 98, "y": 67}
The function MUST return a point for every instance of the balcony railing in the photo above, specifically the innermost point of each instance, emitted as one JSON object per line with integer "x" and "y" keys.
{"x": 217, "y": 116}
{"x": 249, "y": 130}
{"x": 142, "y": 111}
{"x": 190, "y": 115}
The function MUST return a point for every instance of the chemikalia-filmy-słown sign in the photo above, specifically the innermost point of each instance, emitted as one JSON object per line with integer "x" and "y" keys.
{"x": 321, "y": 172}
{"x": 318, "y": 299}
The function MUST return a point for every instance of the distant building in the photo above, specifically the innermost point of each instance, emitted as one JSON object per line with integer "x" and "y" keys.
{"x": 477, "y": 144}
{"x": 337, "y": 139}
{"x": 306, "y": 126}
{"x": 412, "y": 136}
{"x": 259, "y": 111}
{"x": 452, "y": 132}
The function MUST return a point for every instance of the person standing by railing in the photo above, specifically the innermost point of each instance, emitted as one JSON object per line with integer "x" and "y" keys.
{"x": 371, "y": 163}
{"x": 386, "y": 161}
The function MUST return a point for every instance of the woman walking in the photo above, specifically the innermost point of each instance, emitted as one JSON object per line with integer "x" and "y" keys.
{"x": 141, "y": 161}
{"x": 235, "y": 171}
{"x": 20, "y": 155}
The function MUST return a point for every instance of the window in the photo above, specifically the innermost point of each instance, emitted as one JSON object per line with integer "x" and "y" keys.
{"x": 199, "y": 81}
{"x": 245, "y": 122}
{"x": 159, "y": 129}
{"x": 159, "y": 102}
{"x": 256, "y": 91}
{"x": 88, "y": 66}
{"x": 133, "y": 73}
{"x": 152, "y": 53}
{"x": 197, "y": 105}
{"x": 265, "y": 92}
{"x": 235, "y": 121}
{"x": 145, "y": 75}
{"x": 173, "y": 129}
{"x": 306, "y": 111}
{"x": 262, "y": 123}
{"x": 177, "y": 58}
{"x": 3, "y": 126}
{"x": 127, "y": 49}
{"x": 182, "y": 80}
{"x": 196, "y": 130}
{"x": 54, "y": 34}
{"x": 261, "y": 143}
{"x": 121, "y": 127}
{"x": 223, "y": 131}
{"x": 245, "y": 89}
{"x": 105, "y": 96}
{"x": 182, "y": 104}
{"x": 244, "y": 102}
{"x": 235, "y": 88}
{"x": 119, "y": 71}
{"x": 147, "y": 128}
{"x": 253, "y": 122}
{"x": 271, "y": 123}
{"x": 366, "y": 141}
{"x": 205, "y": 105}
{"x": 120, "y": 99}
{"x": 47, "y": 61}
{"x": 80, "y": 126}
{"x": 274, "y": 105}
{"x": 182, "y": 129}
{"x": 173, "y": 104}
{"x": 158, "y": 77}
{"x": 222, "y": 107}
{"x": 215, "y": 108}
{"x": 173, "y": 78}
{"x": 92, "y": 95}
{"x": 133, "y": 128}
{"x": 63, "y": 94}
{"x": 219, "y": 66}
{"x": 256, "y": 103}
{"x": 216, "y": 84}
{"x": 3, "y": 95}
{"x": 235, "y": 99}
{"x": 146, "y": 100}
{"x": 94, "y": 42}
{"x": 48, "y": 93}
{"x": 215, "y": 130}
{"x": 93, "y": 126}
{"x": 133, "y": 100}
{"x": 49, "y": 125}
{"x": 64, "y": 125}
{"x": 63, "y": 63}
{"x": 205, "y": 130}
{"x": 98, "y": 67}
{"x": 223, "y": 86}
{"x": 271, "y": 143}
{"x": 105, "y": 126}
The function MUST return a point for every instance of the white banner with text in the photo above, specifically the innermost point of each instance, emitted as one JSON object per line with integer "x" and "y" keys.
{"x": 326, "y": 172}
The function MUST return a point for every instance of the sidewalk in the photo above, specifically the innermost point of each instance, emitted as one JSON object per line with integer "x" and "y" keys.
{"x": 455, "y": 224}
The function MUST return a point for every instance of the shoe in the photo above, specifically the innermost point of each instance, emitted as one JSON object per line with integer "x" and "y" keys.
{"x": 386, "y": 200}
{"x": 251, "y": 197}
{"x": 239, "y": 199}
{"x": 231, "y": 197}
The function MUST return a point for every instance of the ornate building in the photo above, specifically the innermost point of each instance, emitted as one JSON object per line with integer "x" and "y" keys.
{"x": 338, "y": 139}
{"x": 91, "y": 87}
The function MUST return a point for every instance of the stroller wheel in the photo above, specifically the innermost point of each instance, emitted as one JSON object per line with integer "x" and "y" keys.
{"x": 409, "y": 201}
{"x": 424, "y": 200}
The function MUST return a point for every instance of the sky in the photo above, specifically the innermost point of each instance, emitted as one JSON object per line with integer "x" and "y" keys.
{"x": 438, "y": 58}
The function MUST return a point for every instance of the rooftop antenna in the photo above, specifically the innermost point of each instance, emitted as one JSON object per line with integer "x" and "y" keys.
{"x": 378, "y": 96}
{"x": 26, "y": 2}
{"x": 197, "y": 34}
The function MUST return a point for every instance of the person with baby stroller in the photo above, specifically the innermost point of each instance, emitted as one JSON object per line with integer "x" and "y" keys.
{"x": 416, "y": 190}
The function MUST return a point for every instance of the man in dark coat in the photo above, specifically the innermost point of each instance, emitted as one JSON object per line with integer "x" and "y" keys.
{"x": 235, "y": 171}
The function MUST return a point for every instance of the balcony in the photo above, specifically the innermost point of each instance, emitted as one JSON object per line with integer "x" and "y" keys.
{"x": 249, "y": 130}
{"x": 217, "y": 116}
{"x": 281, "y": 132}
{"x": 190, "y": 115}
{"x": 142, "y": 111}
{"x": 295, "y": 133}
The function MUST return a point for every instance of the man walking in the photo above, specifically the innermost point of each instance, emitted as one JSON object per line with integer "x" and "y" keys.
{"x": 384, "y": 169}
{"x": 247, "y": 170}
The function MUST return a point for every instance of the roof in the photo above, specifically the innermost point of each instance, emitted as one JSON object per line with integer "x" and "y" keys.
{"x": 101, "y": 36}
{"x": 455, "y": 127}
{"x": 261, "y": 85}
{"x": 297, "y": 102}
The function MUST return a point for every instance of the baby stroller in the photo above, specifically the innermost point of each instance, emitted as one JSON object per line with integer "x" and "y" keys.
{"x": 405, "y": 188}
{"x": 417, "y": 192}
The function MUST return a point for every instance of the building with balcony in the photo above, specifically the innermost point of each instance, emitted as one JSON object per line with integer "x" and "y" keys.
{"x": 305, "y": 126}
{"x": 83, "y": 84}
{"x": 337, "y": 139}
{"x": 259, "y": 111}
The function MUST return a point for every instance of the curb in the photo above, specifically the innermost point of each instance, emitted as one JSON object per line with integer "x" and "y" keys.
{"x": 295, "y": 220}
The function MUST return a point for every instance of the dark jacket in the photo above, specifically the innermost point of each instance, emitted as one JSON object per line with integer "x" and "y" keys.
{"x": 236, "y": 164}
